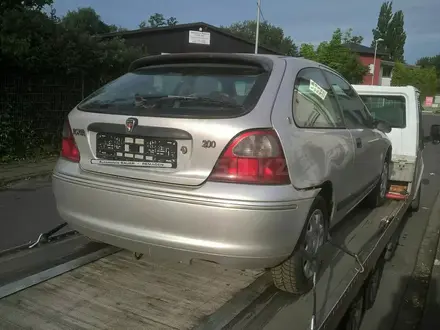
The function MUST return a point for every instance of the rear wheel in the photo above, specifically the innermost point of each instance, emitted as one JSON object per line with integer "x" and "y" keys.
{"x": 295, "y": 274}
{"x": 377, "y": 196}
{"x": 415, "y": 204}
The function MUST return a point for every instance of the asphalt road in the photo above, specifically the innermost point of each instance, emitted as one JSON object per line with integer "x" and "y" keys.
{"x": 26, "y": 209}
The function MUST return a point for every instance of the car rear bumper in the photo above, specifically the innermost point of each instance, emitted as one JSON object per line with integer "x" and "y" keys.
{"x": 241, "y": 235}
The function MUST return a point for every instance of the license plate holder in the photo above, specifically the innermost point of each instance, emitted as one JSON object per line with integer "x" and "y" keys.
{"x": 138, "y": 151}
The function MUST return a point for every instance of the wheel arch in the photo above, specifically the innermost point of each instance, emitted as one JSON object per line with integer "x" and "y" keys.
{"x": 326, "y": 191}
{"x": 389, "y": 153}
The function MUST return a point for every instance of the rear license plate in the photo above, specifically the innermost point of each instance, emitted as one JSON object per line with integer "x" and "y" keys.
{"x": 117, "y": 149}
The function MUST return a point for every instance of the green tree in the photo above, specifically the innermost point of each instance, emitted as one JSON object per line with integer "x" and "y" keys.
{"x": 349, "y": 38}
{"x": 86, "y": 20}
{"x": 431, "y": 62}
{"x": 81, "y": 51}
{"x": 270, "y": 36}
{"x": 425, "y": 79}
{"x": 171, "y": 21}
{"x": 27, "y": 39}
{"x": 335, "y": 55}
{"x": 44, "y": 48}
{"x": 39, "y": 43}
{"x": 308, "y": 51}
{"x": 390, "y": 28}
{"x": 158, "y": 20}
{"x": 6, "y": 5}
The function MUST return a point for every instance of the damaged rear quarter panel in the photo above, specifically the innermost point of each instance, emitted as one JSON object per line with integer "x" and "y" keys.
{"x": 313, "y": 156}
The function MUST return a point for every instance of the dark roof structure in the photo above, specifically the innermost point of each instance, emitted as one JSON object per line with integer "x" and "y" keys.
{"x": 364, "y": 50}
{"x": 393, "y": 64}
{"x": 184, "y": 27}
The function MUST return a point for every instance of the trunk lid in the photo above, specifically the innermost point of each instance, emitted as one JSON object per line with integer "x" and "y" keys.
{"x": 187, "y": 154}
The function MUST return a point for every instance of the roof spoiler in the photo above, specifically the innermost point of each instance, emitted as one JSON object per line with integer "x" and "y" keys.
{"x": 264, "y": 62}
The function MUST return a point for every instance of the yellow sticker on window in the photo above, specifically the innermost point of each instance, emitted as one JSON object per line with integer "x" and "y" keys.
{"x": 318, "y": 90}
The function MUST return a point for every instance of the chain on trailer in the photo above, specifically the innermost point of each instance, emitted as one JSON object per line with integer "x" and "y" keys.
{"x": 315, "y": 263}
{"x": 48, "y": 236}
{"x": 384, "y": 223}
{"x": 43, "y": 238}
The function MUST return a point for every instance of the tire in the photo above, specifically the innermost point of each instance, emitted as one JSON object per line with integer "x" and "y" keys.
{"x": 377, "y": 196}
{"x": 415, "y": 204}
{"x": 352, "y": 319}
{"x": 291, "y": 275}
{"x": 373, "y": 283}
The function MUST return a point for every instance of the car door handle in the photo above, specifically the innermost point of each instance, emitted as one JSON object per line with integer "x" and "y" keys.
{"x": 358, "y": 143}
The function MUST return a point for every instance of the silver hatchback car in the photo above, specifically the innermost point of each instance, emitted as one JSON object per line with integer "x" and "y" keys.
{"x": 239, "y": 159}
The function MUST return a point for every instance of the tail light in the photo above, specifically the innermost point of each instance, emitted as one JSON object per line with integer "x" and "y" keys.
{"x": 69, "y": 150}
{"x": 253, "y": 157}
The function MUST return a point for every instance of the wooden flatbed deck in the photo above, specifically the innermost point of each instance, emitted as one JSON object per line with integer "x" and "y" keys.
{"x": 120, "y": 292}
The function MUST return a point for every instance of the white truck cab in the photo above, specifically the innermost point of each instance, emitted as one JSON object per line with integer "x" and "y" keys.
{"x": 400, "y": 107}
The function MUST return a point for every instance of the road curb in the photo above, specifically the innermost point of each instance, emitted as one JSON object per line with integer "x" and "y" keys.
{"x": 417, "y": 292}
{"x": 26, "y": 176}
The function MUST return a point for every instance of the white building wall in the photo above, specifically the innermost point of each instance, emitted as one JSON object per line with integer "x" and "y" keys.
{"x": 385, "y": 82}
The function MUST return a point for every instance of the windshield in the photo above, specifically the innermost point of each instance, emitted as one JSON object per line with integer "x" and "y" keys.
{"x": 389, "y": 108}
{"x": 198, "y": 90}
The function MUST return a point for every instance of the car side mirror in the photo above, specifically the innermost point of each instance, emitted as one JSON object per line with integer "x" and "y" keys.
{"x": 382, "y": 126}
{"x": 435, "y": 134}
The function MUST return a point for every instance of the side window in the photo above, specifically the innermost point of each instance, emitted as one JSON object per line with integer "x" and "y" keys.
{"x": 314, "y": 104}
{"x": 355, "y": 113}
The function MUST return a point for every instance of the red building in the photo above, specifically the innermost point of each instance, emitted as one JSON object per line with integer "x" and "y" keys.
{"x": 366, "y": 55}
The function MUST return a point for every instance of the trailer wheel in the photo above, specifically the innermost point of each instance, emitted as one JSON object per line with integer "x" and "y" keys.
{"x": 377, "y": 196}
{"x": 373, "y": 283}
{"x": 391, "y": 247}
{"x": 295, "y": 274}
{"x": 352, "y": 319}
{"x": 415, "y": 204}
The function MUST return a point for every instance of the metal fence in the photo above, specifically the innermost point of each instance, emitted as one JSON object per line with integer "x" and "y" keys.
{"x": 32, "y": 112}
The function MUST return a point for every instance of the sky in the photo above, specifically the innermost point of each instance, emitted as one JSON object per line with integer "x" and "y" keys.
{"x": 310, "y": 21}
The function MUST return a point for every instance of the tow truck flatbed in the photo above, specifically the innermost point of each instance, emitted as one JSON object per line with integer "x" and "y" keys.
{"x": 118, "y": 291}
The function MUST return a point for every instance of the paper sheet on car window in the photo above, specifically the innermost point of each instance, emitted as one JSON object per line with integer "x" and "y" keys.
{"x": 318, "y": 90}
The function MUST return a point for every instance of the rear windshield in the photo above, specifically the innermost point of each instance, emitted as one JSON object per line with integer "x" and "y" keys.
{"x": 389, "y": 108}
{"x": 189, "y": 90}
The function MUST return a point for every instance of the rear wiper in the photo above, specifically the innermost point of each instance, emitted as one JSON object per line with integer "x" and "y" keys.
{"x": 151, "y": 101}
